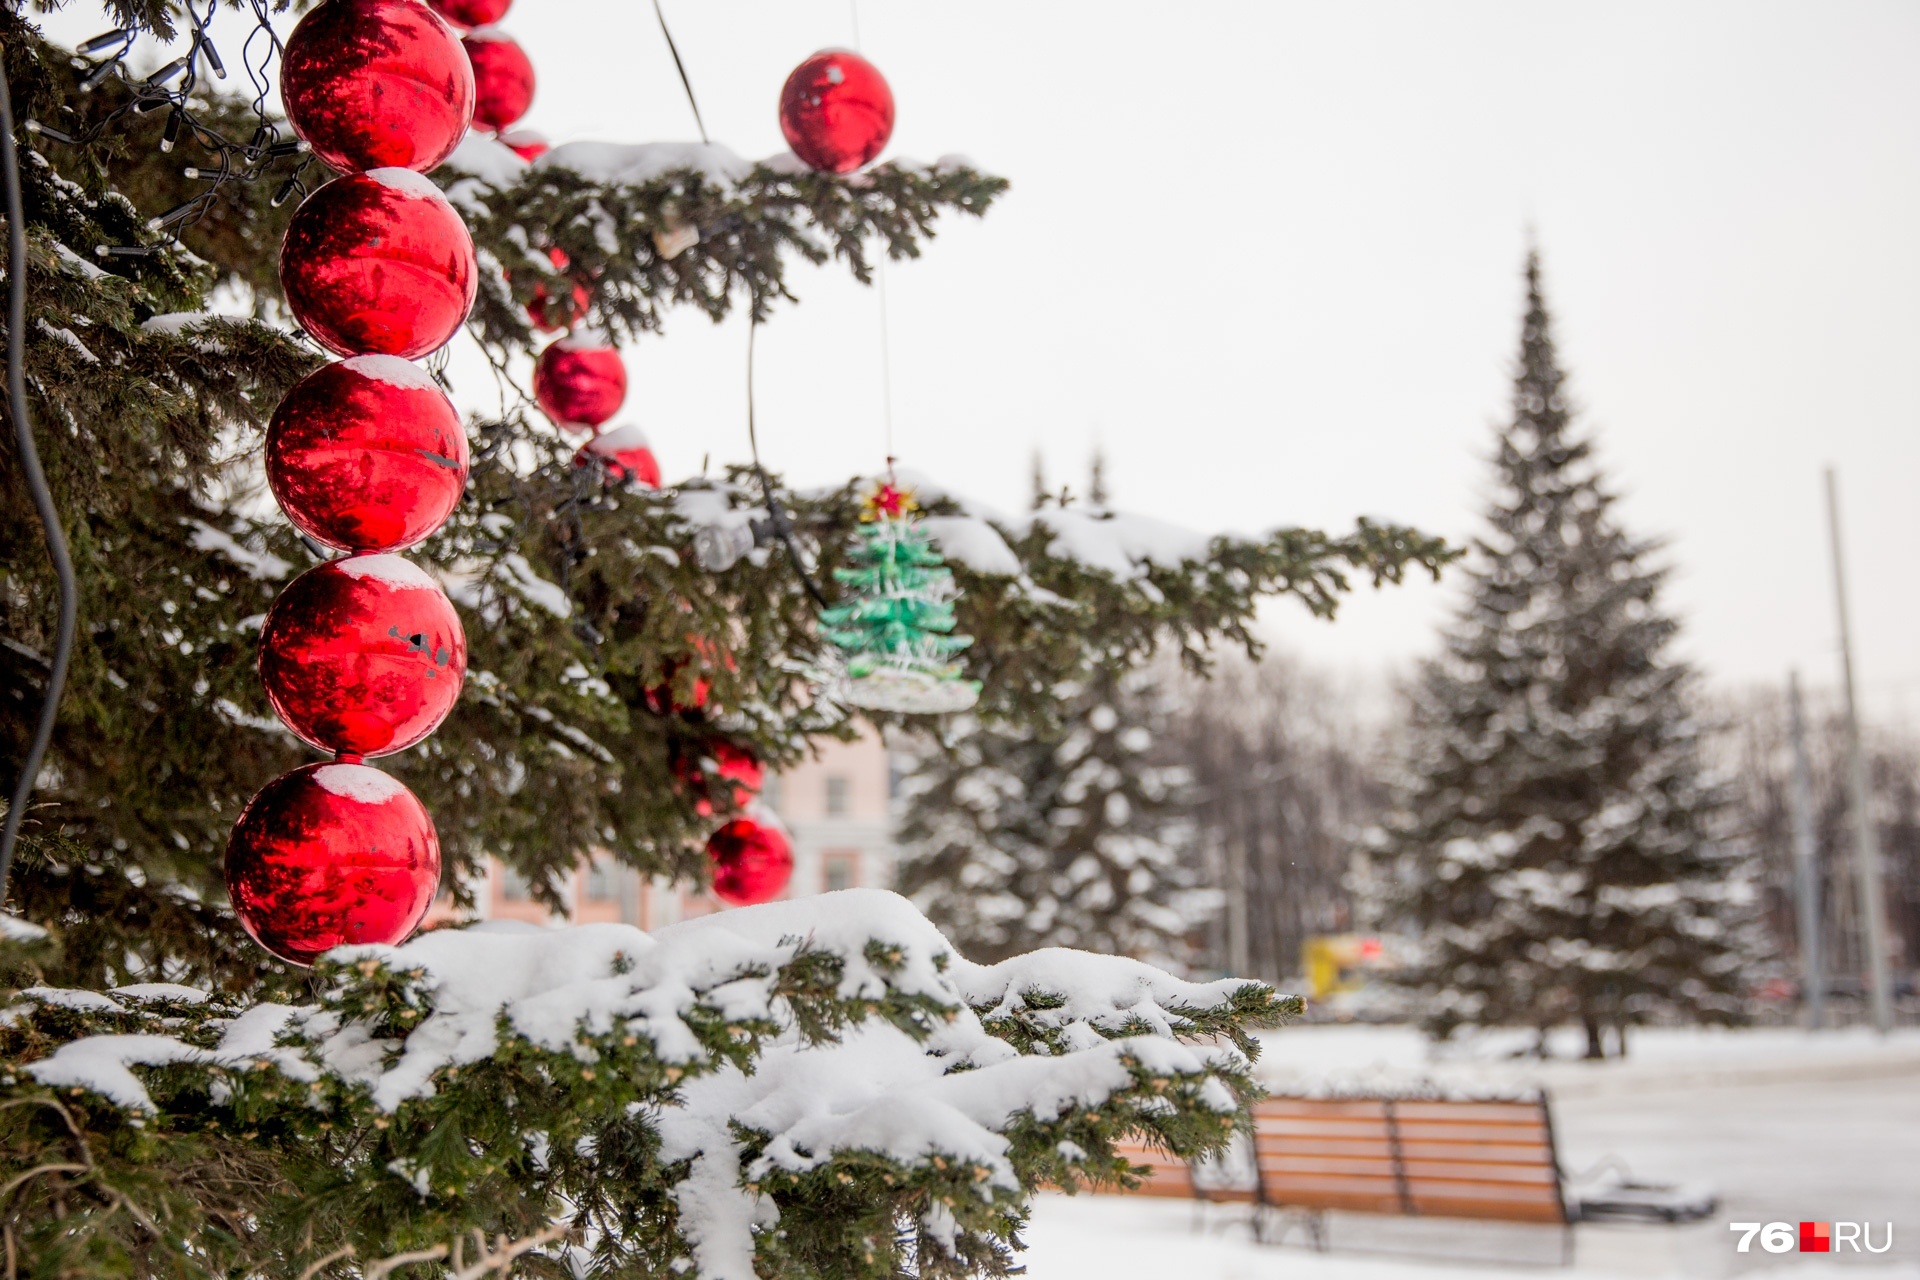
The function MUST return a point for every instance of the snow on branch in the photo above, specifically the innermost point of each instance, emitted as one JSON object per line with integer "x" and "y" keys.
{"x": 772, "y": 1060}
{"x": 644, "y": 227}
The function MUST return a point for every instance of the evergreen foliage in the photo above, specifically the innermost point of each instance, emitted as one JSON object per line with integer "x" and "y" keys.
{"x": 263, "y": 1146}
{"x": 1556, "y": 848}
{"x": 1081, "y": 837}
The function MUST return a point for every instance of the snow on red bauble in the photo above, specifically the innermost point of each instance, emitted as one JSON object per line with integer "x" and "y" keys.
{"x": 526, "y": 144}
{"x": 378, "y": 264}
{"x": 720, "y": 770}
{"x": 502, "y": 78}
{"x": 625, "y": 454}
{"x": 370, "y": 84}
{"x": 540, "y": 309}
{"x": 332, "y": 855}
{"x": 472, "y": 13}
{"x": 751, "y": 860}
{"x": 580, "y": 381}
{"x": 836, "y": 111}
{"x": 367, "y": 455}
{"x": 363, "y": 655}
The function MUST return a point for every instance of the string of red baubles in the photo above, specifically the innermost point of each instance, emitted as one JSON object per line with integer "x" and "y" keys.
{"x": 364, "y": 656}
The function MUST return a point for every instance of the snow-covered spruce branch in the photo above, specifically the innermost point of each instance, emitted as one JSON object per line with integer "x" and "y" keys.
{"x": 650, "y": 226}
{"x": 820, "y": 1085}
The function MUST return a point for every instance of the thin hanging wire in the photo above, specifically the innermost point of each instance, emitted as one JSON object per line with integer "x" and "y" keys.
{"x": 880, "y": 285}
{"x": 781, "y": 525}
{"x": 681, "y": 67}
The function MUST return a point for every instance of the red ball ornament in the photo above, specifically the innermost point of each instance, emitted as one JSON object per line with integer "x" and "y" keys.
{"x": 751, "y": 859}
{"x": 378, "y": 264}
{"x": 836, "y": 111}
{"x": 472, "y": 13}
{"x": 526, "y": 144}
{"x": 370, "y": 84}
{"x": 580, "y": 381}
{"x": 502, "y": 78}
{"x": 363, "y": 655}
{"x": 625, "y": 454}
{"x": 540, "y": 309}
{"x": 367, "y": 455}
{"x": 718, "y": 771}
{"x": 331, "y": 855}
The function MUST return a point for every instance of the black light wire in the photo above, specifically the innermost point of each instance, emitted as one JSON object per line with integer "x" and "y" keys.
{"x": 36, "y": 484}
{"x": 777, "y": 518}
{"x": 681, "y": 67}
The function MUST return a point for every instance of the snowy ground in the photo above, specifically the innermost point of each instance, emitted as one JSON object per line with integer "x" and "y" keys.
{"x": 1784, "y": 1126}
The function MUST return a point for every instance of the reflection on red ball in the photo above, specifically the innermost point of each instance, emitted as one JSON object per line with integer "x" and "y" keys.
{"x": 580, "y": 381}
{"x": 363, "y": 655}
{"x": 331, "y": 855}
{"x": 472, "y": 13}
{"x": 371, "y": 84}
{"x": 367, "y": 454}
{"x": 502, "y": 78}
{"x": 836, "y": 111}
{"x": 625, "y": 454}
{"x": 526, "y": 144}
{"x": 751, "y": 860}
{"x": 378, "y": 264}
{"x": 546, "y": 317}
{"x": 720, "y": 771}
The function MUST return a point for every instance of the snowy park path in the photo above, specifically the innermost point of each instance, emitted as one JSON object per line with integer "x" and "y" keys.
{"x": 1784, "y": 1127}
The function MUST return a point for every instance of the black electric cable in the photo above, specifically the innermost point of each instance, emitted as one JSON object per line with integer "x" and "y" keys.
{"x": 681, "y": 67}
{"x": 781, "y": 525}
{"x": 36, "y": 483}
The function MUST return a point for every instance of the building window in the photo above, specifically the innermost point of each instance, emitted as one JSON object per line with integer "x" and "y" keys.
{"x": 513, "y": 885}
{"x": 839, "y": 794}
{"x": 840, "y": 871}
{"x": 599, "y": 882}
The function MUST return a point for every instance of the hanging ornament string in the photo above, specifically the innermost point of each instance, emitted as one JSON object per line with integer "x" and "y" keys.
{"x": 681, "y": 67}
{"x": 36, "y": 483}
{"x": 781, "y": 525}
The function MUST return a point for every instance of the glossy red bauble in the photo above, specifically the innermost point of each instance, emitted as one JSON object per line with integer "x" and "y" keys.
{"x": 625, "y": 454}
{"x": 378, "y": 264}
{"x": 580, "y": 381}
{"x": 717, "y": 771}
{"x": 367, "y": 454}
{"x": 372, "y": 84}
{"x": 502, "y": 78}
{"x": 363, "y": 655}
{"x": 546, "y": 317}
{"x": 332, "y": 855}
{"x": 836, "y": 111}
{"x": 472, "y": 13}
{"x": 751, "y": 860}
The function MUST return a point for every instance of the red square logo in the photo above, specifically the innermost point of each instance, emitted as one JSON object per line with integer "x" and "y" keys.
{"x": 1816, "y": 1237}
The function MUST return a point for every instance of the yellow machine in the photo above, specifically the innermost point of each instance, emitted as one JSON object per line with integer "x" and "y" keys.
{"x": 1337, "y": 963}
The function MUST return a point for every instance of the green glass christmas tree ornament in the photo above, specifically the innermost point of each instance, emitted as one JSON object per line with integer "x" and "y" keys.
{"x": 896, "y": 629}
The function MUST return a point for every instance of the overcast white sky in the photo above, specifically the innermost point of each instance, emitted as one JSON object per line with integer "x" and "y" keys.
{"x": 1268, "y": 253}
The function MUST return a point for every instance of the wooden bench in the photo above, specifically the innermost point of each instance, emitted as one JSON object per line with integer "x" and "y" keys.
{"x": 1409, "y": 1157}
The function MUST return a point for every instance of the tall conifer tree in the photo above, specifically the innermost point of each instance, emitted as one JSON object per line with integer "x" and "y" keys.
{"x": 1555, "y": 849}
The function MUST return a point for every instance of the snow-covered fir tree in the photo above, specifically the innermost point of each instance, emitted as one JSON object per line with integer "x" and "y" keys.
{"x": 812, "y": 1089}
{"x": 1082, "y": 837}
{"x": 1555, "y": 848}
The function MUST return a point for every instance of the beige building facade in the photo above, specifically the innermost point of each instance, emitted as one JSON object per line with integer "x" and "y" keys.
{"x": 836, "y": 807}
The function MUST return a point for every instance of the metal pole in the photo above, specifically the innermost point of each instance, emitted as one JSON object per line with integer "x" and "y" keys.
{"x": 1806, "y": 873}
{"x": 1866, "y": 843}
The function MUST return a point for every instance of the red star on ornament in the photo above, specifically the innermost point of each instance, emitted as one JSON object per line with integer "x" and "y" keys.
{"x": 889, "y": 501}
